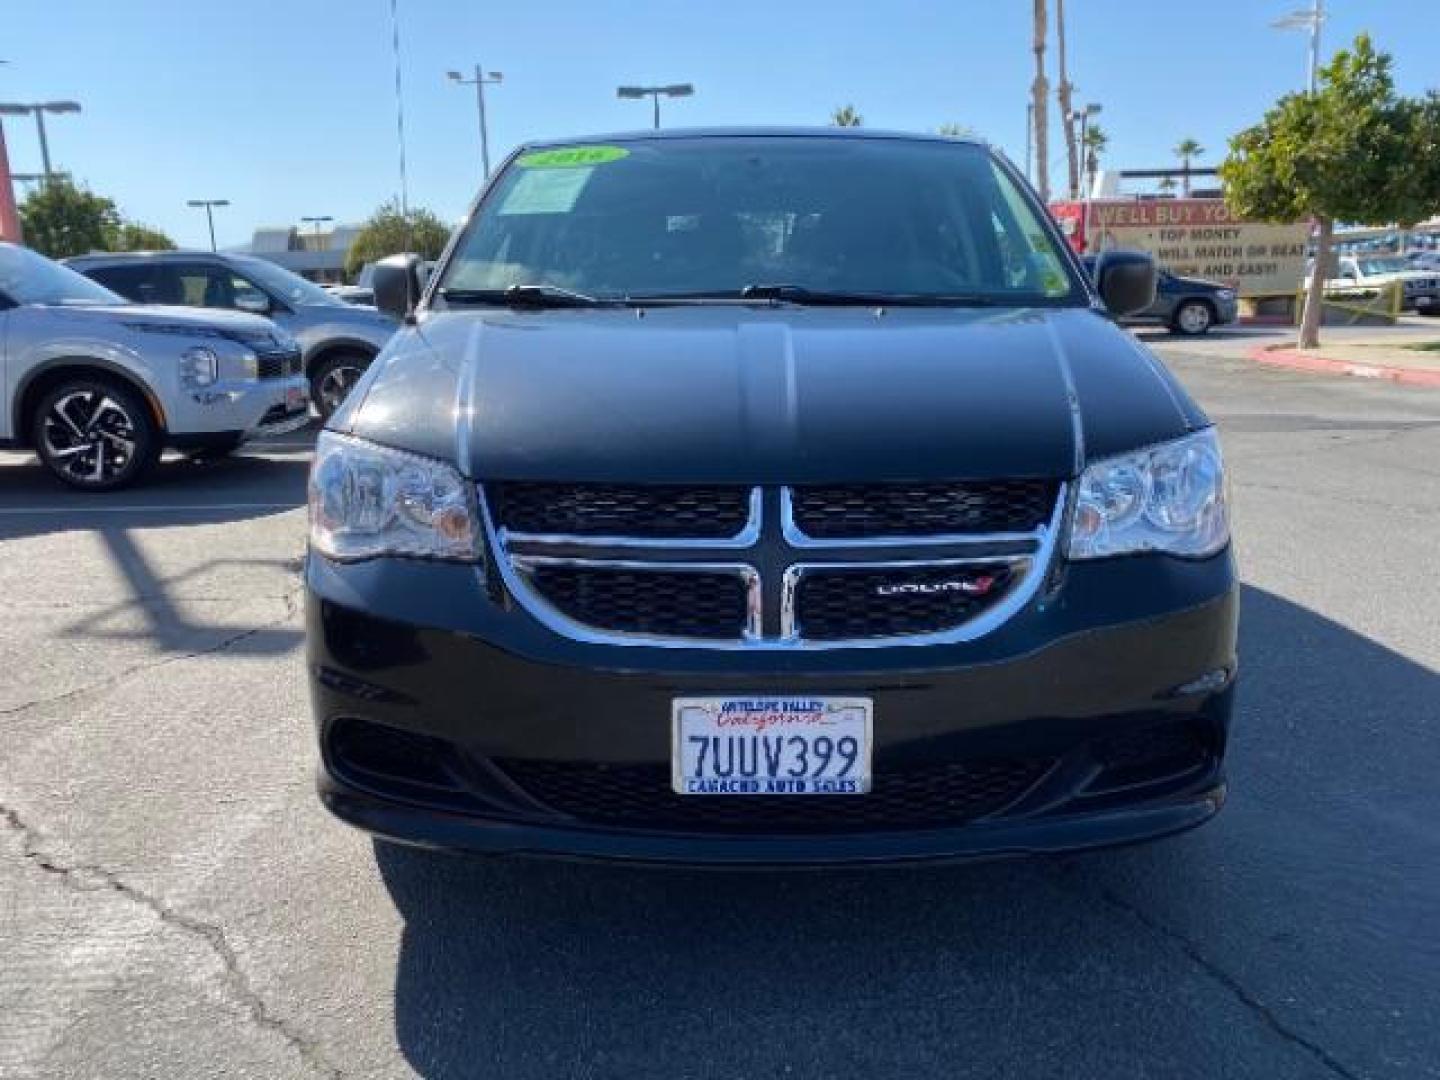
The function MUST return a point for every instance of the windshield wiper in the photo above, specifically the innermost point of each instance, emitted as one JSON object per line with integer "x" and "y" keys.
{"x": 531, "y": 296}
{"x": 800, "y": 294}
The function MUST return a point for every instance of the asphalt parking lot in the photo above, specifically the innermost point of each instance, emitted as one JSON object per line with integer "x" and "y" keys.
{"x": 174, "y": 902}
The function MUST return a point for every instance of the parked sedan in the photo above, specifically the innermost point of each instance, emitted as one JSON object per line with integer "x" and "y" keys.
{"x": 1185, "y": 305}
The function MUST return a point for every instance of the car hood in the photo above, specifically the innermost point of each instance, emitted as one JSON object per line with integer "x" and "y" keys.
{"x": 754, "y": 395}
{"x": 169, "y": 317}
{"x": 350, "y": 314}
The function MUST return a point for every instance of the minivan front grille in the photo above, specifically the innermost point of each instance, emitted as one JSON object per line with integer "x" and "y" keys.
{"x": 847, "y": 510}
{"x": 859, "y": 603}
{"x": 677, "y": 603}
{"x": 712, "y": 512}
{"x": 706, "y": 567}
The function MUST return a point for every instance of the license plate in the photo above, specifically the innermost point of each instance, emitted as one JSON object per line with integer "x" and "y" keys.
{"x": 771, "y": 746}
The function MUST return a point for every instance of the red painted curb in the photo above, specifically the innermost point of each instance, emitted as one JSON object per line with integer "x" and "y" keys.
{"x": 1299, "y": 361}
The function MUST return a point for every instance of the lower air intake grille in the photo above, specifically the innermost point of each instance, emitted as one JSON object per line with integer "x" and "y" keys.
{"x": 639, "y": 796}
{"x": 837, "y": 605}
{"x": 868, "y": 510}
{"x": 679, "y": 603}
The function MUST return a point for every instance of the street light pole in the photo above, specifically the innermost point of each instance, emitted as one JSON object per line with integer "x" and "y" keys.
{"x": 1087, "y": 167}
{"x": 38, "y": 110}
{"x": 317, "y": 222}
{"x": 654, "y": 93}
{"x": 209, "y": 205}
{"x": 481, "y": 78}
{"x": 1312, "y": 21}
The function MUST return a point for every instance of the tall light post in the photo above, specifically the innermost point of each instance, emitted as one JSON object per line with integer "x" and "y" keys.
{"x": 209, "y": 205}
{"x": 481, "y": 79}
{"x": 654, "y": 93}
{"x": 317, "y": 222}
{"x": 38, "y": 109}
{"x": 1312, "y": 21}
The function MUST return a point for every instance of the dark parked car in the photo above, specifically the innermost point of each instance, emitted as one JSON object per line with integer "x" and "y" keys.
{"x": 1186, "y": 305}
{"x": 339, "y": 340}
{"x": 759, "y": 496}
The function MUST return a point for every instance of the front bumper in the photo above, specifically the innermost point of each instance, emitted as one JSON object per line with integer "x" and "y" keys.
{"x": 425, "y": 655}
{"x": 248, "y": 406}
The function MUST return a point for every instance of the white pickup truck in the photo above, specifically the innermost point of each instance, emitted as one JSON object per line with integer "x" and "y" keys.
{"x": 1420, "y": 288}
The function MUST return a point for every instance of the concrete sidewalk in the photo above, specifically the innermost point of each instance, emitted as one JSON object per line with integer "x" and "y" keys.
{"x": 1373, "y": 357}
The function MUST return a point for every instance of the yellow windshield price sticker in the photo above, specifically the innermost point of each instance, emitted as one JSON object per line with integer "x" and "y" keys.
{"x": 571, "y": 157}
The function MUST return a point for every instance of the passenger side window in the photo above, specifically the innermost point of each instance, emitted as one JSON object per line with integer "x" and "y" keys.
{"x": 199, "y": 285}
{"x": 132, "y": 282}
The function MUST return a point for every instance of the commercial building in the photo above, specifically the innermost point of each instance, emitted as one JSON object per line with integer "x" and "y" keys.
{"x": 319, "y": 256}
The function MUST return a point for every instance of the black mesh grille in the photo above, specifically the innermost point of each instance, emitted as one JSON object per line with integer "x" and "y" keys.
{"x": 639, "y": 796}
{"x": 836, "y": 605}
{"x": 863, "y": 510}
{"x": 661, "y": 511}
{"x": 278, "y": 365}
{"x": 692, "y": 603}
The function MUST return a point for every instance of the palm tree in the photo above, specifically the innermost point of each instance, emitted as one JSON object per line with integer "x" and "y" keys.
{"x": 1039, "y": 93}
{"x": 1096, "y": 142}
{"x": 1064, "y": 95}
{"x": 846, "y": 116}
{"x": 1186, "y": 150}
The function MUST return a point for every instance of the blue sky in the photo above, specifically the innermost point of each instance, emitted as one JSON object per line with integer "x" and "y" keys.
{"x": 287, "y": 108}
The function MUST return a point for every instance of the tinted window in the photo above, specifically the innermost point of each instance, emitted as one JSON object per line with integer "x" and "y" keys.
{"x": 131, "y": 282}
{"x": 199, "y": 285}
{"x": 713, "y": 215}
{"x": 29, "y": 278}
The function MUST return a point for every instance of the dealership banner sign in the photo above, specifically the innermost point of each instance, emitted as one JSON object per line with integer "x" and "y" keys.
{"x": 1194, "y": 238}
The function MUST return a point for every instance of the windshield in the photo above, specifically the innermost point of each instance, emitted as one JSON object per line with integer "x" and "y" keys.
{"x": 292, "y": 288}
{"x": 28, "y": 278}
{"x": 711, "y": 216}
{"x": 1388, "y": 265}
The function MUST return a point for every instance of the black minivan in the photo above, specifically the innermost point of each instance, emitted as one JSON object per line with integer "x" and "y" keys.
{"x": 768, "y": 496}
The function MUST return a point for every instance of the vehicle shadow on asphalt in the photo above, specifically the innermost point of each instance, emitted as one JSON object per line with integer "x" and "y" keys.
{"x": 1105, "y": 964}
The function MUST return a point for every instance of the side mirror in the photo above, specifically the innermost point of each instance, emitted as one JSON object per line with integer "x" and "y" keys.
{"x": 257, "y": 303}
{"x": 397, "y": 285}
{"x": 1126, "y": 281}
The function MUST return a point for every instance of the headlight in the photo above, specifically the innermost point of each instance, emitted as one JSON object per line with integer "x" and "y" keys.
{"x": 199, "y": 366}
{"x": 366, "y": 500}
{"x": 1168, "y": 498}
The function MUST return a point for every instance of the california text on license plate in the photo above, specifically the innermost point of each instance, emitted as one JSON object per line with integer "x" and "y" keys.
{"x": 771, "y": 746}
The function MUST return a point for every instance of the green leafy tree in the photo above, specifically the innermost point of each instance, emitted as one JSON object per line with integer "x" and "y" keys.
{"x": 846, "y": 116}
{"x": 1096, "y": 143}
{"x": 389, "y": 232}
{"x": 956, "y": 131}
{"x": 60, "y": 219}
{"x": 132, "y": 236}
{"x": 1352, "y": 151}
{"x": 1187, "y": 150}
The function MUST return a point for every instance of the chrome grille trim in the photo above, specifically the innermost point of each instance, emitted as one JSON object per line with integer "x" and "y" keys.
{"x": 746, "y": 537}
{"x": 1031, "y": 567}
{"x": 524, "y": 564}
{"x": 796, "y": 537}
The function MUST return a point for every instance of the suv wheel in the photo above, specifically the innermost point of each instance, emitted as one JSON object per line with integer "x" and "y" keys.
{"x": 95, "y": 434}
{"x": 333, "y": 380}
{"x": 1192, "y": 318}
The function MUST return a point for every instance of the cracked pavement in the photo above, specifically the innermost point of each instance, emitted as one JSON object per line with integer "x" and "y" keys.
{"x": 174, "y": 903}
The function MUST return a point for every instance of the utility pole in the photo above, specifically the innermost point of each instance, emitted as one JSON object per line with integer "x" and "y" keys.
{"x": 481, "y": 78}
{"x": 1040, "y": 91}
{"x": 209, "y": 205}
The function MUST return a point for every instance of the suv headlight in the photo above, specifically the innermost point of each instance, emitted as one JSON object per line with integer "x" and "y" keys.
{"x": 367, "y": 500}
{"x": 1168, "y": 498}
{"x": 199, "y": 366}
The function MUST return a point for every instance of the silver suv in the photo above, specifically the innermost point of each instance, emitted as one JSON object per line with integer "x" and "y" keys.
{"x": 98, "y": 386}
{"x": 338, "y": 340}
